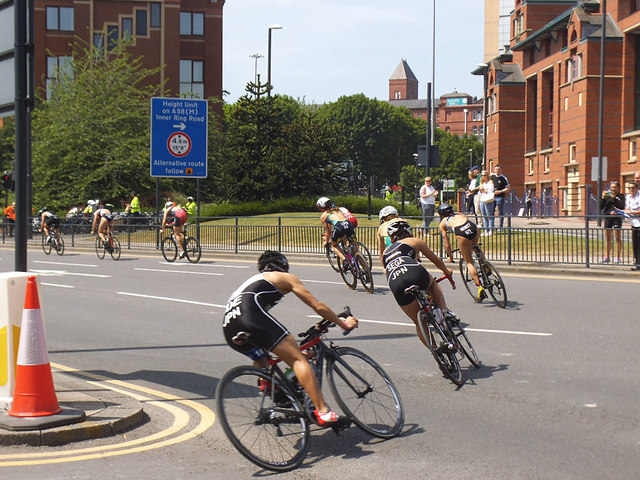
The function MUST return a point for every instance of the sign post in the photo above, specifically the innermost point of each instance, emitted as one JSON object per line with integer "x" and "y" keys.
{"x": 178, "y": 138}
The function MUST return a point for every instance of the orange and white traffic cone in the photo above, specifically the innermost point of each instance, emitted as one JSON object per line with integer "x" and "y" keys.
{"x": 34, "y": 394}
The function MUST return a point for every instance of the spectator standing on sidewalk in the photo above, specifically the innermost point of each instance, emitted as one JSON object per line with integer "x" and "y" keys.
{"x": 472, "y": 191}
{"x": 428, "y": 196}
{"x": 488, "y": 207}
{"x": 633, "y": 209}
{"x": 502, "y": 187}
{"x": 10, "y": 217}
{"x": 191, "y": 207}
{"x": 611, "y": 200}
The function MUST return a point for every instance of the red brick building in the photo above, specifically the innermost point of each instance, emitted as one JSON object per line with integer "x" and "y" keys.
{"x": 543, "y": 98}
{"x": 456, "y": 113}
{"x": 183, "y": 35}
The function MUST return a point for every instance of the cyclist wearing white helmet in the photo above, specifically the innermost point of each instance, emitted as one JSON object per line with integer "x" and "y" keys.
{"x": 337, "y": 226}
{"x": 387, "y": 215}
{"x": 400, "y": 260}
{"x": 175, "y": 216}
{"x": 248, "y": 311}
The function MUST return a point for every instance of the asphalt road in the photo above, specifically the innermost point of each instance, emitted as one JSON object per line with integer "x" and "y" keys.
{"x": 556, "y": 398}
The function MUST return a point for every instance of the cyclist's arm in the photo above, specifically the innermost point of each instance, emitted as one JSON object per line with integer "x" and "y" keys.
{"x": 381, "y": 247}
{"x": 95, "y": 219}
{"x": 445, "y": 238}
{"x": 164, "y": 219}
{"x": 433, "y": 258}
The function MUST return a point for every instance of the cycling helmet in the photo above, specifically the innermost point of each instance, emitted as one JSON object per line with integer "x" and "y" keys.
{"x": 445, "y": 210}
{"x": 386, "y": 211}
{"x": 42, "y": 210}
{"x": 324, "y": 202}
{"x": 399, "y": 229}
{"x": 109, "y": 206}
{"x": 271, "y": 261}
{"x": 189, "y": 199}
{"x": 168, "y": 205}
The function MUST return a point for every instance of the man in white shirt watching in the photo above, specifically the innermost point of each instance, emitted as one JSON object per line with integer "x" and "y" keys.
{"x": 428, "y": 196}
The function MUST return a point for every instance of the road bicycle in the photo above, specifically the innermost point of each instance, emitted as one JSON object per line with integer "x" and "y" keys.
{"x": 356, "y": 266}
{"x": 445, "y": 336}
{"x": 333, "y": 259}
{"x": 489, "y": 278}
{"x": 267, "y": 415}
{"x": 55, "y": 242}
{"x": 111, "y": 245}
{"x": 191, "y": 245}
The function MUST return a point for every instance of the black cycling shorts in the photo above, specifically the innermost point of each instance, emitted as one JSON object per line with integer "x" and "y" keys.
{"x": 403, "y": 277}
{"x": 266, "y": 332}
{"x": 343, "y": 228}
{"x": 52, "y": 221}
{"x": 108, "y": 217}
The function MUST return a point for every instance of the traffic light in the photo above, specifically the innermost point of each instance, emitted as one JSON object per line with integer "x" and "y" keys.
{"x": 6, "y": 180}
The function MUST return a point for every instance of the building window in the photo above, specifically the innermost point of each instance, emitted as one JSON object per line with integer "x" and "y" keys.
{"x": 98, "y": 42}
{"x": 580, "y": 99}
{"x": 56, "y": 66}
{"x": 60, "y": 18}
{"x": 191, "y": 23}
{"x": 566, "y": 103}
{"x": 127, "y": 27}
{"x": 574, "y": 68}
{"x": 482, "y": 131}
{"x": 156, "y": 17}
{"x": 530, "y": 165}
{"x": 546, "y": 163}
{"x": 112, "y": 37}
{"x": 517, "y": 25}
{"x": 474, "y": 130}
{"x": 141, "y": 23}
{"x": 572, "y": 153}
{"x": 191, "y": 78}
{"x": 397, "y": 95}
{"x": 632, "y": 150}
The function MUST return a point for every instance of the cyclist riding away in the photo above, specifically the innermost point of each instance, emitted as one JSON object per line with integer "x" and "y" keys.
{"x": 247, "y": 311}
{"x": 49, "y": 222}
{"x": 403, "y": 270}
{"x": 466, "y": 233}
{"x": 387, "y": 215}
{"x": 106, "y": 224}
{"x": 337, "y": 226}
{"x": 176, "y": 216}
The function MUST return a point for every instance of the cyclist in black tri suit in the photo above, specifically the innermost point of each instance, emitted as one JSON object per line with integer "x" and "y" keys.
{"x": 403, "y": 270}
{"x": 337, "y": 226}
{"x": 467, "y": 234}
{"x": 106, "y": 223}
{"x": 49, "y": 222}
{"x": 247, "y": 311}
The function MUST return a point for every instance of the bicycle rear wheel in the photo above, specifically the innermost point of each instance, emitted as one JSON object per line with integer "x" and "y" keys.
{"x": 365, "y": 392}
{"x": 59, "y": 244}
{"x": 115, "y": 248}
{"x": 364, "y": 272}
{"x": 100, "y": 248}
{"x": 442, "y": 349}
{"x": 467, "y": 279}
{"x": 46, "y": 246}
{"x": 347, "y": 274}
{"x": 464, "y": 342}
{"x": 331, "y": 256}
{"x": 192, "y": 249}
{"x": 495, "y": 285}
{"x": 169, "y": 249}
{"x": 362, "y": 248}
{"x": 271, "y": 436}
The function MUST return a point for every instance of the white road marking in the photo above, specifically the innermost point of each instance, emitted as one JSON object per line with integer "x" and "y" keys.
{"x": 64, "y": 272}
{"x": 57, "y": 285}
{"x": 203, "y": 265}
{"x": 180, "y": 300}
{"x": 177, "y": 271}
{"x": 68, "y": 264}
{"x": 400, "y": 324}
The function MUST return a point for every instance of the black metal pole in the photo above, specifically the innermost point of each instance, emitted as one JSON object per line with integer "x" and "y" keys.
{"x": 601, "y": 104}
{"x": 20, "y": 167}
{"x": 428, "y": 135}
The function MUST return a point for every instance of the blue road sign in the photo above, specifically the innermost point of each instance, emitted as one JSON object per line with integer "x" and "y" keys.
{"x": 178, "y": 137}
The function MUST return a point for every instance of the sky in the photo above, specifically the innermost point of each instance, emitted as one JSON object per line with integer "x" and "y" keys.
{"x": 330, "y": 48}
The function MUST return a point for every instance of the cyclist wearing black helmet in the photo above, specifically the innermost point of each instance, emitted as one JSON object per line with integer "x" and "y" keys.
{"x": 48, "y": 221}
{"x": 401, "y": 265}
{"x": 386, "y": 215}
{"x": 106, "y": 223}
{"x": 336, "y": 224}
{"x": 247, "y": 311}
{"x": 466, "y": 233}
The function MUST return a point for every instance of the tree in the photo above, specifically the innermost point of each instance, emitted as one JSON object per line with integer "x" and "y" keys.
{"x": 454, "y": 156}
{"x": 7, "y": 144}
{"x": 91, "y": 138}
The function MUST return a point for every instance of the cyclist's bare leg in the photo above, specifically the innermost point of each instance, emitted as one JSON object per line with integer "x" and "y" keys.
{"x": 46, "y": 229}
{"x": 465, "y": 248}
{"x": 289, "y": 351}
{"x": 338, "y": 251}
{"x": 411, "y": 311}
{"x": 101, "y": 228}
{"x": 435, "y": 292}
{"x": 180, "y": 236}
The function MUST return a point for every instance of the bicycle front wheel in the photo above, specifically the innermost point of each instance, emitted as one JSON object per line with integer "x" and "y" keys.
{"x": 331, "y": 256}
{"x": 46, "y": 246}
{"x": 265, "y": 424}
{"x": 495, "y": 285}
{"x": 99, "y": 248}
{"x": 347, "y": 273}
{"x": 115, "y": 248}
{"x": 364, "y": 272}
{"x": 365, "y": 392}
{"x": 464, "y": 342}
{"x": 441, "y": 348}
{"x": 169, "y": 249}
{"x": 192, "y": 249}
{"x": 362, "y": 248}
{"x": 59, "y": 244}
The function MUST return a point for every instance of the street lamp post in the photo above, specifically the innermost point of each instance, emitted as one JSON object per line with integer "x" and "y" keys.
{"x": 255, "y": 57}
{"x": 465, "y": 111}
{"x": 470, "y": 158}
{"x": 271, "y": 27}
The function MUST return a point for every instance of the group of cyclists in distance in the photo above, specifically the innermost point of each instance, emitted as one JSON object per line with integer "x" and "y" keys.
{"x": 247, "y": 309}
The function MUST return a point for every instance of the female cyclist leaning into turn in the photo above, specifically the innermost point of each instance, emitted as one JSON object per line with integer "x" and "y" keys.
{"x": 466, "y": 233}
{"x": 403, "y": 271}
{"x": 336, "y": 226}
